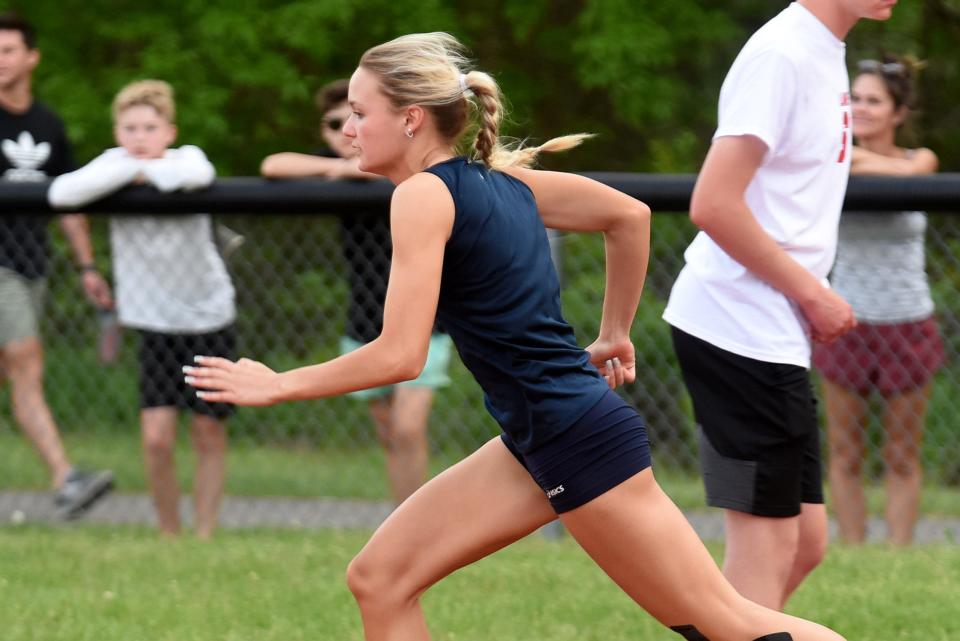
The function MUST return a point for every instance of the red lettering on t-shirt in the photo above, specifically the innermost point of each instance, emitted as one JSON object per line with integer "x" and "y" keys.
{"x": 844, "y": 102}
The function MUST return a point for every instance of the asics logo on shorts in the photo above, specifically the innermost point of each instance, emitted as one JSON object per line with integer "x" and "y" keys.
{"x": 552, "y": 493}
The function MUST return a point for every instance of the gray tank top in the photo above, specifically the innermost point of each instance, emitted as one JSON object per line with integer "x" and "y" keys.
{"x": 880, "y": 268}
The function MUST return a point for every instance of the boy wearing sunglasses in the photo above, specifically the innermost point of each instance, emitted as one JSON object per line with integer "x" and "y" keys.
{"x": 400, "y": 412}
{"x": 338, "y": 160}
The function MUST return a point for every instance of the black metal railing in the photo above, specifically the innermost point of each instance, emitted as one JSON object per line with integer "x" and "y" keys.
{"x": 663, "y": 192}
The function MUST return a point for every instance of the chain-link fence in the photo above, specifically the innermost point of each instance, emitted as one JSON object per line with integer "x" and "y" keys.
{"x": 293, "y": 290}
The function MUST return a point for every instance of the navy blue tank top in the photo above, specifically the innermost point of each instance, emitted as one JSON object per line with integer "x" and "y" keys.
{"x": 500, "y": 303}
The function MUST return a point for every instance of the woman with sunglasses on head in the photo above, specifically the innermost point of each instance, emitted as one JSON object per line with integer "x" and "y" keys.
{"x": 400, "y": 412}
{"x": 470, "y": 245}
{"x": 895, "y": 349}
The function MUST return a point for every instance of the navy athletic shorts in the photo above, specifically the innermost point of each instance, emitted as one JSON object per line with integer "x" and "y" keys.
{"x": 759, "y": 437}
{"x": 603, "y": 449}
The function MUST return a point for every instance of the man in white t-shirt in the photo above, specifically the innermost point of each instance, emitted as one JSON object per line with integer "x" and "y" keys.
{"x": 754, "y": 291}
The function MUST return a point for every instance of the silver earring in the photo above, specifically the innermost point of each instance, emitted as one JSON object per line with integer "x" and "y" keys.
{"x": 409, "y": 133}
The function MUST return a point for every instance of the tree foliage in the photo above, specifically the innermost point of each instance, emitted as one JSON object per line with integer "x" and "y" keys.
{"x": 642, "y": 74}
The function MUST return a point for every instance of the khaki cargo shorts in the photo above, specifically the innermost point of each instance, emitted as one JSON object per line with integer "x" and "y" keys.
{"x": 21, "y": 301}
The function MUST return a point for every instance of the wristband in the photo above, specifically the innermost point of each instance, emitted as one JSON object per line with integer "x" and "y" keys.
{"x": 86, "y": 267}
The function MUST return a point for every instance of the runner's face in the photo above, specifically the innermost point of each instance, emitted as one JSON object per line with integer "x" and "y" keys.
{"x": 375, "y": 127}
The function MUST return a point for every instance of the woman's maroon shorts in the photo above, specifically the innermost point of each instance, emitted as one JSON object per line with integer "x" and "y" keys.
{"x": 892, "y": 359}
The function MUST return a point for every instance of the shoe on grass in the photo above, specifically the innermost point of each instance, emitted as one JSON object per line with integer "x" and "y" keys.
{"x": 80, "y": 491}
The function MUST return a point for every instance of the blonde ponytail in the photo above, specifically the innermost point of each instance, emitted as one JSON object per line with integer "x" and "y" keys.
{"x": 488, "y": 145}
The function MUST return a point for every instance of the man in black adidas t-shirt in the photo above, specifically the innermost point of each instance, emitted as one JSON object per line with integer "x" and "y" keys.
{"x": 34, "y": 147}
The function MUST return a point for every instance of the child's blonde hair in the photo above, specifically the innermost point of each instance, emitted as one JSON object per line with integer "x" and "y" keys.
{"x": 432, "y": 70}
{"x": 152, "y": 93}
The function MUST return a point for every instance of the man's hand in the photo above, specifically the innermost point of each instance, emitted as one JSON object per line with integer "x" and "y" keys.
{"x": 96, "y": 288}
{"x": 830, "y": 316}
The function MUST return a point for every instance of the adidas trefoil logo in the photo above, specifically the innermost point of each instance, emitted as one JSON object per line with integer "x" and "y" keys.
{"x": 25, "y": 155}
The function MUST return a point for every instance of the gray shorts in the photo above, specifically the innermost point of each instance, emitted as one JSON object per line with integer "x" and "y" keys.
{"x": 21, "y": 301}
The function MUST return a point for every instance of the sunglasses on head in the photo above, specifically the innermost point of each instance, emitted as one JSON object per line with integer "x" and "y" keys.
{"x": 333, "y": 124}
{"x": 886, "y": 68}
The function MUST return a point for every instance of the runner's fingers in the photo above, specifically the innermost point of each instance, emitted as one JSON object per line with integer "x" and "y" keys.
{"x": 215, "y": 397}
{"x": 214, "y": 362}
{"x": 618, "y": 371}
{"x": 206, "y": 377}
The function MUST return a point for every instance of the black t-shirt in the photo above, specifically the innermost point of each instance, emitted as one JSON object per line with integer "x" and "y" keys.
{"x": 33, "y": 147}
{"x": 367, "y": 249}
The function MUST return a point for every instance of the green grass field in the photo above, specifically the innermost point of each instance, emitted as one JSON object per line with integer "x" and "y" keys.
{"x": 85, "y": 583}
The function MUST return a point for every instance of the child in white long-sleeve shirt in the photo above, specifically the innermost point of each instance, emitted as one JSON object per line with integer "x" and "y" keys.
{"x": 171, "y": 285}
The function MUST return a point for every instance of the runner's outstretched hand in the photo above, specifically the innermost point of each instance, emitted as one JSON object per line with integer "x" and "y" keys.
{"x": 220, "y": 380}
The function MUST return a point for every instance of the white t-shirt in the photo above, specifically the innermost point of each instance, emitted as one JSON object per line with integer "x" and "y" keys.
{"x": 789, "y": 88}
{"x": 168, "y": 274}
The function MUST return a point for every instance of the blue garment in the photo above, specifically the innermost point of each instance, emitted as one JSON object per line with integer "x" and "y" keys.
{"x": 500, "y": 303}
{"x": 600, "y": 451}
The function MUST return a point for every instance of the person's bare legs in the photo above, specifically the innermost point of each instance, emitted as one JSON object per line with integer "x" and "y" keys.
{"x": 644, "y": 543}
{"x": 402, "y": 429}
{"x": 23, "y": 364}
{"x": 847, "y": 414}
{"x": 767, "y": 557}
{"x": 814, "y": 537}
{"x": 159, "y": 432}
{"x": 468, "y": 511}
{"x": 487, "y": 501}
{"x": 904, "y": 421}
{"x": 209, "y": 437}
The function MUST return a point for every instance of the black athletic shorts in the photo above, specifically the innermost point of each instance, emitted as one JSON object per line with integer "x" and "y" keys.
{"x": 758, "y": 432}
{"x": 603, "y": 449}
{"x": 162, "y": 357}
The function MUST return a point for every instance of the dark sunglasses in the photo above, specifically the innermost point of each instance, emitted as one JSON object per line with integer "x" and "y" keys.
{"x": 885, "y": 68}
{"x": 333, "y": 124}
